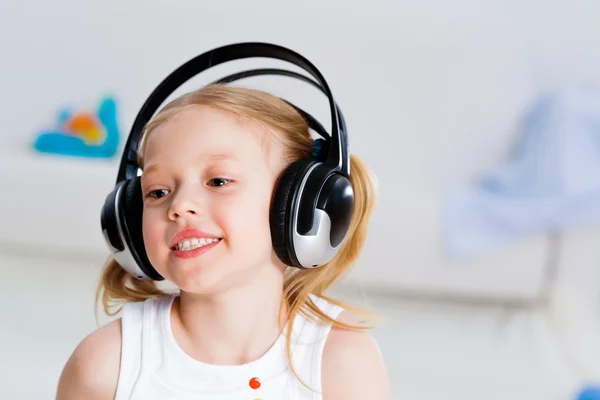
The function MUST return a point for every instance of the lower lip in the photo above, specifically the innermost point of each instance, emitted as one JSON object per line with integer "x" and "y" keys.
{"x": 195, "y": 252}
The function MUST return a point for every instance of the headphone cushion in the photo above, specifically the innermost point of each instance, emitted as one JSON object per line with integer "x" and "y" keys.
{"x": 131, "y": 212}
{"x": 281, "y": 212}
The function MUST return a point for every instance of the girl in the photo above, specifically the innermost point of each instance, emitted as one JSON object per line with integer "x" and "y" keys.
{"x": 241, "y": 325}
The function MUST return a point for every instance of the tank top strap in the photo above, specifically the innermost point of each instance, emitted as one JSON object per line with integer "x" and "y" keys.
{"x": 308, "y": 344}
{"x": 139, "y": 323}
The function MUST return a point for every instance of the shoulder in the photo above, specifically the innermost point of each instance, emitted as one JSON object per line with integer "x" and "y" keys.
{"x": 92, "y": 370}
{"x": 353, "y": 366}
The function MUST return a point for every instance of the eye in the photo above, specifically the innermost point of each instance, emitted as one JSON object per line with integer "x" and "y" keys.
{"x": 157, "y": 194}
{"x": 216, "y": 182}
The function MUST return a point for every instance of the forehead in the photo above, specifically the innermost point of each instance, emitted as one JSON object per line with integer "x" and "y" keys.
{"x": 208, "y": 134}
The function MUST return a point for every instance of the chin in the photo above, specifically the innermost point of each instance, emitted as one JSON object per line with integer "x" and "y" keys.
{"x": 194, "y": 277}
{"x": 202, "y": 278}
{"x": 216, "y": 279}
{"x": 201, "y": 288}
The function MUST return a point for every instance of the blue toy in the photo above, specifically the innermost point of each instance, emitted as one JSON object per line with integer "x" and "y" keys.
{"x": 83, "y": 134}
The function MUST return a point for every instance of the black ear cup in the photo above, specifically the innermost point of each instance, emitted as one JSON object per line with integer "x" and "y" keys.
{"x": 337, "y": 201}
{"x": 109, "y": 222}
{"x": 282, "y": 207}
{"x": 130, "y": 214}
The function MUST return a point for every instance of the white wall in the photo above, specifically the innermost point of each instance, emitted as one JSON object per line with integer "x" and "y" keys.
{"x": 413, "y": 78}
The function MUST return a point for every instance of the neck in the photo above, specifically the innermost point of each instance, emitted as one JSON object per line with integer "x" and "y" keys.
{"x": 230, "y": 328}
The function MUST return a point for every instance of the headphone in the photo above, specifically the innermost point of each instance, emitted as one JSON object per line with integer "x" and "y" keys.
{"x": 313, "y": 199}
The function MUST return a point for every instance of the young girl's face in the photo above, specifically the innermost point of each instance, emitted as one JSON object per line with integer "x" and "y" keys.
{"x": 208, "y": 176}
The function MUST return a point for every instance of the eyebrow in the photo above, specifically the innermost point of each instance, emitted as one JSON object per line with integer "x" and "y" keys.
{"x": 222, "y": 157}
{"x": 212, "y": 158}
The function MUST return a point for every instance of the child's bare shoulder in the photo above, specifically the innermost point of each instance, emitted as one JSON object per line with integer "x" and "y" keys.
{"x": 353, "y": 366}
{"x": 92, "y": 371}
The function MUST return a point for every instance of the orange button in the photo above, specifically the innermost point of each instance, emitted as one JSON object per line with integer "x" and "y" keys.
{"x": 254, "y": 383}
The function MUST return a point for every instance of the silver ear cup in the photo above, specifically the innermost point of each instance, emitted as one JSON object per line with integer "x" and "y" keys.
{"x": 314, "y": 249}
{"x": 330, "y": 221}
{"x": 124, "y": 256}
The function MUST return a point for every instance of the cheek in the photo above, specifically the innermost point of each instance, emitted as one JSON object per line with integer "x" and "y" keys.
{"x": 247, "y": 219}
{"x": 146, "y": 231}
{"x": 152, "y": 234}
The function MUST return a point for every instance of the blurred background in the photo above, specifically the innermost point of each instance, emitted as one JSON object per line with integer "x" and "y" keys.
{"x": 480, "y": 120}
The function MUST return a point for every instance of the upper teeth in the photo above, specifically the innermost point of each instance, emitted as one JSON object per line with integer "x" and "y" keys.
{"x": 190, "y": 244}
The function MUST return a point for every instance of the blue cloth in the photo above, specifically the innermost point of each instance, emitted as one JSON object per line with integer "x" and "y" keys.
{"x": 551, "y": 181}
{"x": 589, "y": 393}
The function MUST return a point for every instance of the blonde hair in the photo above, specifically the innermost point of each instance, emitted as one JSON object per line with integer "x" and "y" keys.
{"x": 285, "y": 124}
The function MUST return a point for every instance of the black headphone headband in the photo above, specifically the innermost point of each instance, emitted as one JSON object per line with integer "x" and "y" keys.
{"x": 338, "y": 153}
{"x": 307, "y": 116}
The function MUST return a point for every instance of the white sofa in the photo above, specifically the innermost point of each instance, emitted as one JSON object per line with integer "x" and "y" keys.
{"x": 51, "y": 208}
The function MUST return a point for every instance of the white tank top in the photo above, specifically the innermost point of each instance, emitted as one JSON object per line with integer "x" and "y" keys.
{"x": 154, "y": 367}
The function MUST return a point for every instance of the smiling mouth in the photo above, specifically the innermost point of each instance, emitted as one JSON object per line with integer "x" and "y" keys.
{"x": 194, "y": 243}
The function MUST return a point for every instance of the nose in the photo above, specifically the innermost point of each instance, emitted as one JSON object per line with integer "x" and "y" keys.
{"x": 184, "y": 205}
{"x": 175, "y": 214}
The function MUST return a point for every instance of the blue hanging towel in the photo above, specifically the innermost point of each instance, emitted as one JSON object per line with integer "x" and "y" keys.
{"x": 589, "y": 393}
{"x": 551, "y": 181}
